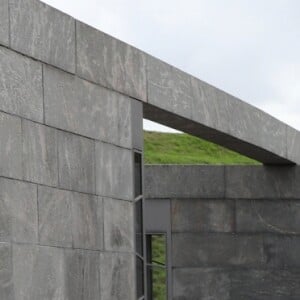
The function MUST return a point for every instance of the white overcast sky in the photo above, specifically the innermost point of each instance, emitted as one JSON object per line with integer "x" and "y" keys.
{"x": 249, "y": 48}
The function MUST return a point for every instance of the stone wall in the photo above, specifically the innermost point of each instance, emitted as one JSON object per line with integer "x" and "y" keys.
{"x": 235, "y": 230}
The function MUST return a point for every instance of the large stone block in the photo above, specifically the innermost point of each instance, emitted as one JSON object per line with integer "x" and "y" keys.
{"x": 40, "y": 161}
{"x": 199, "y": 215}
{"x": 4, "y": 23}
{"x": 55, "y": 217}
{"x": 114, "y": 171}
{"x": 137, "y": 125}
{"x": 117, "y": 273}
{"x": 21, "y": 88}
{"x": 118, "y": 225}
{"x": 43, "y": 32}
{"x": 204, "y": 284}
{"x": 87, "y": 225}
{"x": 76, "y": 162}
{"x": 18, "y": 211}
{"x": 293, "y": 144}
{"x": 6, "y": 272}
{"x": 110, "y": 62}
{"x": 10, "y": 146}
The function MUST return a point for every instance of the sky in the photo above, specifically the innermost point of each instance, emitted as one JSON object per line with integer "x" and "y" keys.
{"x": 248, "y": 48}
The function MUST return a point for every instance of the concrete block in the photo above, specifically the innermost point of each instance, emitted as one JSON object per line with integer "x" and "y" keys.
{"x": 87, "y": 225}
{"x": 199, "y": 181}
{"x": 118, "y": 225}
{"x": 204, "y": 284}
{"x": 202, "y": 215}
{"x": 117, "y": 272}
{"x": 21, "y": 88}
{"x": 10, "y": 146}
{"x": 293, "y": 144}
{"x": 55, "y": 217}
{"x": 114, "y": 171}
{"x": 110, "y": 62}
{"x": 40, "y": 153}
{"x": 137, "y": 125}
{"x": 169, "y": 88}
{"x": 43, "y": 32}
{"x": 126, "y": 127}
{"x": 18, "y": 211}
{"x": 216, "y": 250}
{"x": 4, "y": 23}
{"x": 6, "y": 272}
{"x": 76, "y": 162}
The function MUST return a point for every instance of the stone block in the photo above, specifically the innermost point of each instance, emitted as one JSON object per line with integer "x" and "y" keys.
{"x": 204, "y": 284}
{"x": 217, "y": 249}
{"x": 114, "y": 171}
{"x": 293, "y": 144}
{"x": 55, "y": 217}
{"x": 10, "y": 146}
{"x": 21, "y": 88}
{"x": 40, "y": 161}
{"x": 110, "y": 62}
{"x": 18, "y": 211}
{"x": 4, "y": 23}
{"x": 6, "y": 272}
{"x": 117, "y": 274}
{"x": 199, "y": 215}
{"x": 87, "y": 225}
{"x": 118, "y": 225}
{"x": 43, "y": 32}
{"x": 76, "y": 156}
{"x": 137, "y": 125}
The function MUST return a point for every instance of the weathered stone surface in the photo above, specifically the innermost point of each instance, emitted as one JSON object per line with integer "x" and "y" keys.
{"x": 110, "y": 62}
{"x": 40, "y": 153}
{"x": 126, "y": 126}
{"x": 76, "y": 162}
{"x": 215, "y": 250}
{"x": 10, "y": 146}
{"x": 4, "y": 23}
{"x": 198, "y": 181}
{"x": 116, "y": 276}
{"x": 6, "y": 280}
{"x": 118, "y": 225}
{"x": 204, "y": 284}
{"x": 87, "y": 222}
{"x": 137, "y": 125}
{"x": 199, "y": 215}
{"x": 43, "y": 32}
{"x": 21, "y": 88}
{"x": 293, "y": 144}
{"x": 55, "y": 217}
{"x": 114, "y": 171}
{"x": 18, "y": 211}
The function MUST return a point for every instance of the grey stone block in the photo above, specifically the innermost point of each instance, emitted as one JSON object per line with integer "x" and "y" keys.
{"x": 204, "y": 284}
{"x": 21, "y": 88}
{"x": 40, "y": 161}
{"x": 118, "y": 225}
{"x": 114, "y": 171}
{"x": 18, "y": 211}
{"x": 202, "y": 215}
{"x": 6, "y": 272}
{"x": 55, "y": 217}
{"x": 198, "y": 181}
{"x": 10, "y": 146}
{"x": 4, "y": 23}
{"x": 137, "y": 125}
{"x": 43, "y": 32}
{"x": 76, "y": 162}
{"x": 293, "y": 144}
{"x": 110, "y": 62}
{"x": 169, "y": 88}
{"x": 216, "y": 250}
{"x": 116, "y": 276}
{"x": 87, "y": 225}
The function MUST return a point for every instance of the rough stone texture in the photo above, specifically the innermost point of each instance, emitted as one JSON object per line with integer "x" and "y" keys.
{"x": 21, "y": 89}
{"x": 18, "y": 211}
{"x": 43, "y": 32}
{"x": 4, "y": 23}
{"x": 10, "y": 146}
{"x": 204, "y": 284}
{"x": 110, "y": 62}
{"x": 76, "y": 157}
{"x": 118, "y": 225}
{"x": 55, "y": 217}
{"x": 293, "y": 144}
{"x": 6, "y": 280}
{"x": 39, "y": 153}
{"x": 202, "y": 215}
{"x": 87, "y": 224}
{"x": 116, "y": 276}
{"x": 114, "y": 171}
